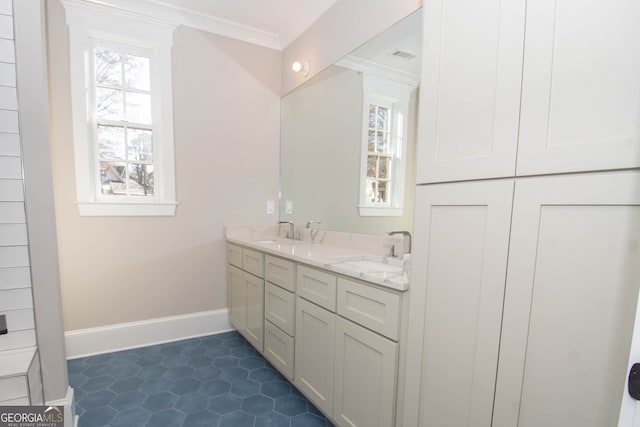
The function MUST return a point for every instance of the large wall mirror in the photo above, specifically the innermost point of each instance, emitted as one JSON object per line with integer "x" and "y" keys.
{"x": 349, "y": 136}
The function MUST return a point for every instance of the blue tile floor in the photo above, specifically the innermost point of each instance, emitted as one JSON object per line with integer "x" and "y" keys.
{"x": 213, "y": 381}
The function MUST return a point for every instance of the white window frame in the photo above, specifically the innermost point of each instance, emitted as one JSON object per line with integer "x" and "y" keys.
{"x": 141, "y": 36}
{"x": 396, "y": 96}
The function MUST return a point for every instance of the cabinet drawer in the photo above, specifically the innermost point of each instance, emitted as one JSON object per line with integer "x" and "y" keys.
{"x": 280, "y": 307}
{"x": 278, "y": 349}
{"x": 317, "y": 286}
{"x": 371, "y": 307}
{"x": 253, "y": 262}
{"x": 280, "y": 272}
{"x": 234, "y": 255}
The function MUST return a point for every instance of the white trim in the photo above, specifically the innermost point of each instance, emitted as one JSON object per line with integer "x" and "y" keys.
{"x": 382, "y": 211}
{"x": 126, "y": 209}
{"x": 69, "y": 405}
{"x": 189, "y": 18}
{"x": 379, "y": 70}
{"x": 123, "y": 336}
{"x": 88, "y": 21}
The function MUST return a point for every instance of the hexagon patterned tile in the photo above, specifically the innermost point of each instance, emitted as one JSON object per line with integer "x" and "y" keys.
{"x": 213, "y": 381}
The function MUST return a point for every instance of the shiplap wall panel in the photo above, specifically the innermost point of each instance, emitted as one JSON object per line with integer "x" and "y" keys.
{"x": 16, "y": 300}
{"x": 9, "y": 142}
{"x": 11, "y": 190}
{"x": 12, "y": 213}
{"x": 13, "y": 235}
{"x": 15, "y": 278}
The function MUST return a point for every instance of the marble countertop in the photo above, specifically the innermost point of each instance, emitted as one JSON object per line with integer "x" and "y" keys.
{"x": 355, "y": 255}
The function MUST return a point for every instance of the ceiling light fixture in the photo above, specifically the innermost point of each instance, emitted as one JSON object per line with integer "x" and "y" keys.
{"x": 298, "y": 66}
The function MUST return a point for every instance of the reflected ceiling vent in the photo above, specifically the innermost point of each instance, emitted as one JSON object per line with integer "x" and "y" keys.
{"x": 403, "y": 54}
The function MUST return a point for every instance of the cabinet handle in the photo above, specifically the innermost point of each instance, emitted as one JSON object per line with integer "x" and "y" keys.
{"x": 634, "y": 381}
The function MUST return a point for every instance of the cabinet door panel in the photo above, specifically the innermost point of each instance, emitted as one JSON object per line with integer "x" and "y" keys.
{"x": 580, "y": 93}
{"x": 470, "y": 90}
{"x": 237, "y": 298}
{"x": 314, "y": 349}
{"x": 255, "y": 310}
{"x": 461, "y": 235}
{"x": 365, "y": 377}
{"x": 570, "y": 301}
{"x": 279, "y": 349}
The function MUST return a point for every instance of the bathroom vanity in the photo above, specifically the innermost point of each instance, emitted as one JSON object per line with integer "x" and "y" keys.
{"x": 330, "y": 315}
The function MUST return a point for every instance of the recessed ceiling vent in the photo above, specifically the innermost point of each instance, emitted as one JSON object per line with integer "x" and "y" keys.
{"x": 403, "y": 54}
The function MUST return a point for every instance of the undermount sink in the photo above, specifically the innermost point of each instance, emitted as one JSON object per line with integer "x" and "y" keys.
{"x": 368, "y": 265}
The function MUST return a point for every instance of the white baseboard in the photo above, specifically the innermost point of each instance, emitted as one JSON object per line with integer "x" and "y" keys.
{"x": 69, "y": 407}
{"x": 123, "y": 336}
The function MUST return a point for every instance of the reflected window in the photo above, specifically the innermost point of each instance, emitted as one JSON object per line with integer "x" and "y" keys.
{"x": 384, "y": 147}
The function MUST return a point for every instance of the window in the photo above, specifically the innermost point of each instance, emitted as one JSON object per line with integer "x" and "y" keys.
{"x": 122, "y": 112}
{"x": 384, "y": 146}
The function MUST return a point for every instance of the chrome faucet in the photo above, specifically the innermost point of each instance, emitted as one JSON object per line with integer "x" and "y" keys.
{"x": 313, "y": 232}
{"x": 291, "y": 232}
{"x": 404, "y": 233}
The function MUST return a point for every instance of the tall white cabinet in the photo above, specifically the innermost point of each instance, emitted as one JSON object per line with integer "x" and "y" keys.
{"x": 526, "y": 270}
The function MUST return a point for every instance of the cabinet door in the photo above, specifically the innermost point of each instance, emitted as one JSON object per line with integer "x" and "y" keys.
{"x": 366, "y": 366}
{"x": 255, "y": 310}
{"x": 570, "y": 301}
{"x": 461, "y": 237}
{"x": 237, "y": 298}
{"x": 314, "y": 349}
{"x": 580, "y": 90}
{"x": 470, "y": 90}
{"x": 279, "y": 349}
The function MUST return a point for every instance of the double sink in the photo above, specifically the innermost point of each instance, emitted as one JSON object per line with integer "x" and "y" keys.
{"x": 383, "y": 270}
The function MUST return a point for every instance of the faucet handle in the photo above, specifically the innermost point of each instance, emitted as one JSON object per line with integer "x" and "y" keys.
{"x": 310, "y": 223}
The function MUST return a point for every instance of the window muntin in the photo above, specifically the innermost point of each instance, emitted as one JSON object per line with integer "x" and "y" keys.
{"x": 123, "y": 122}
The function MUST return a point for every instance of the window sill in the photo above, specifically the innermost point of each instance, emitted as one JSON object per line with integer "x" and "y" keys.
{"x": 126, "y": 209}
{"x": 378, "y": 211}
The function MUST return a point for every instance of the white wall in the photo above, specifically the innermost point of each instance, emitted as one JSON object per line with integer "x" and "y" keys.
{"x": 226, "y": 120}
{"x": 344, "y": 27}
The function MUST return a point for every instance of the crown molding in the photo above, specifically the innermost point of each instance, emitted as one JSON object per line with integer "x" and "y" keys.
{"x": 180, "y": 16}
{"x": 375, "y": 69}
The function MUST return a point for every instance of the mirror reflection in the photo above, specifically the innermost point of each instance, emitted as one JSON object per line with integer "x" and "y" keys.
{"x": 348, "y": 138}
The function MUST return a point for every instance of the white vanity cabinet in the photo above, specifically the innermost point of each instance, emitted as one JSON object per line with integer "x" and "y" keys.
{"x": 337, "y": 338}
{"x": 347, "y": 349}
{"x": 246, "y": 293}
{"x": 279, "y": 310}
{"x": 535, "y": 81}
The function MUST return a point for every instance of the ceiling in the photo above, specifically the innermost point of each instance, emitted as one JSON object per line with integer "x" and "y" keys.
{"x": 270, "y": 23}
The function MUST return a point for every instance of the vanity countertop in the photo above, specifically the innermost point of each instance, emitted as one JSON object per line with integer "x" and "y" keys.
{"x": 354, "y": 255}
